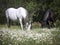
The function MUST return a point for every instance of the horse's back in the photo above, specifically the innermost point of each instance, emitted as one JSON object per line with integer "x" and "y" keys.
{"x": 22, "y": 11}
{"x": 11, "y": 13}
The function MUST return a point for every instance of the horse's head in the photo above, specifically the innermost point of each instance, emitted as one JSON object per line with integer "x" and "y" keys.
{"x": 28, "y": 25}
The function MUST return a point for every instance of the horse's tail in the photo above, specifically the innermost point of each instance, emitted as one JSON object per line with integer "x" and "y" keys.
{"x": 6, "y": 12}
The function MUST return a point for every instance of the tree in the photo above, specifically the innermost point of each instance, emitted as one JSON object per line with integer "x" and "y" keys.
{"x": 36, "y": 8}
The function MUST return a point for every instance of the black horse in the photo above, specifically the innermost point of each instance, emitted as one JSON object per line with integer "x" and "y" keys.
{"x": 48, "y": 20}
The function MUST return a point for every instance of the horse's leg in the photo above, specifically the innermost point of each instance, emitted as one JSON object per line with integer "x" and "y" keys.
{"x": 51, "y": 22}
{"x": 48, "y": 24}
{"x": 8, "y": 22}
{"x": 43, "y": 24}
{"x": 20, "y": 20}
{"x": 25, "y": 23}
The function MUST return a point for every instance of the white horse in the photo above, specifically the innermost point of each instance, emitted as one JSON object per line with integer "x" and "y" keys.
{"x": 18, "y": 14}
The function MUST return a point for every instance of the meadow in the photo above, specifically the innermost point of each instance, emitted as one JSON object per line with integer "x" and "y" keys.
{"x": 36, "y": 36}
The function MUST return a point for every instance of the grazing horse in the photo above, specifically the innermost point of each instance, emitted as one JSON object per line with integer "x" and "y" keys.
{"x": 48, "y": 20}
{"x": 18, "y": 14}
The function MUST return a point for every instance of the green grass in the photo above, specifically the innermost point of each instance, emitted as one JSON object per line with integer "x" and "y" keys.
{"x": 11, "y": 27}
{"x": 15, "y": 30}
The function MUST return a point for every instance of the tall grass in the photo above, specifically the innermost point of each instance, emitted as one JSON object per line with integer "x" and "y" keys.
{"x": 37, "y": 36}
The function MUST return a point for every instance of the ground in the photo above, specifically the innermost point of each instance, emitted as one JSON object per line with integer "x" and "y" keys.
{"x": 36, "y": 36}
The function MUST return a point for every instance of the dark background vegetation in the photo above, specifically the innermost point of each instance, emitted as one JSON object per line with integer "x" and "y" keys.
{"x": 36, "y": 8}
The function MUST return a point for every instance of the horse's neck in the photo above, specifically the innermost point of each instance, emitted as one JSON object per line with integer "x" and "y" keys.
{"x": 46, "y": 16}
{"x": 26, "y": 19}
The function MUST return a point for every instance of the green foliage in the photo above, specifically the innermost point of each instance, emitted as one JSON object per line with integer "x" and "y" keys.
{"x": 57, "y": 23}
{"x": 35, "y": 8}
{"x": 20, "y": 37}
